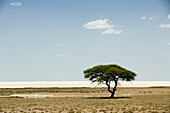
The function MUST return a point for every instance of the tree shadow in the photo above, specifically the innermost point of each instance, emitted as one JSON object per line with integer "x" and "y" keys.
{"x": 108, "y": 98}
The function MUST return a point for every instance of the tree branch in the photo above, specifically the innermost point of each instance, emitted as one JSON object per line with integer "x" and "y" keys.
{"x": 108, "y": 85}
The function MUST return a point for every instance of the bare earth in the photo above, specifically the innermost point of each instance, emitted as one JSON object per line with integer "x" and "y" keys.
{"x": 83, "y": 100}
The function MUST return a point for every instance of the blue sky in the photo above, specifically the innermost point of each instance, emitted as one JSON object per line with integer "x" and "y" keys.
{"x": 42, "y": 40}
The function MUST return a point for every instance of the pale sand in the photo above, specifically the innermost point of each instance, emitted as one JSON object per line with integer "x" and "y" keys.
{"x": 81, "y": 84}
{"x": 54, "y": 95}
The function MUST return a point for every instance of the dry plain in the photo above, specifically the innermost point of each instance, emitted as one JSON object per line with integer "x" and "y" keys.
{"x": 83, "y": 100}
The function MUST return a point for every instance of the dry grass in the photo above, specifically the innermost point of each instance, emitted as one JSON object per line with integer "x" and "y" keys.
{"x": 152, "y": 100}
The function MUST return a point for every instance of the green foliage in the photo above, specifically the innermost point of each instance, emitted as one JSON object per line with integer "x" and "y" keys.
{"x": 108, "y": 73}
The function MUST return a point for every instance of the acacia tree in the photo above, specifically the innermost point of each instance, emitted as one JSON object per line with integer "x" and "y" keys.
{"x": 109, "y": 73}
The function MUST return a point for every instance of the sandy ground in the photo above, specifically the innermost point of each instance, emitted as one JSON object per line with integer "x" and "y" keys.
{"x": 70, "y": 100}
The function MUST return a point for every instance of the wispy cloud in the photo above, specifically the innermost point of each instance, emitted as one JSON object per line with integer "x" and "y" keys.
{"x": 167, "y": 44}
{"x": 143, "y": 18}
{"x": 112, "y": 31}
{"x": 98, "y": 24}
{"x": 152, "y": 17}
{"x": 167, "y": 54}
{"x": 16, "y": 3}
{"x": 60, "y": 44}
{"x": 61, "y": 55}
{"x": 164, "y": 26}
{"x": 169, "y": 16}
{"x": 103, "y": 24}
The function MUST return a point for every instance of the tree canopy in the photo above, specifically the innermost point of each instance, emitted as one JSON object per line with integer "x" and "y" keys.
{"x": 108, "y": 73}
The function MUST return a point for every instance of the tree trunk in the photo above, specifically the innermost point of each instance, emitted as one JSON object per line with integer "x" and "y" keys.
{"x": 114, "y": 89}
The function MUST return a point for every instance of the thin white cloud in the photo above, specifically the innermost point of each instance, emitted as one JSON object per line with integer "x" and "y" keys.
{"x": 16, "y": 3}
{"x": 153, "y": 17}
{"x": 60, "y": 44}
{"x": 169, "y": 16}
{"x": 98, "y": 24}
{"x": 61, "y": 55}
{"x": 164, "y": 26}
{"x": 143, "y": 18}
{"x": 167, "y": 54}
{"x": 112, "y": 31}
{"x": 103, "y": 24}
{"x": 168, "y": 44}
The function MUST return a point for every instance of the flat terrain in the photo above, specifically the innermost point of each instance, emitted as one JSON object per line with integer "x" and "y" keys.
{"x": 54, "y": 100}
